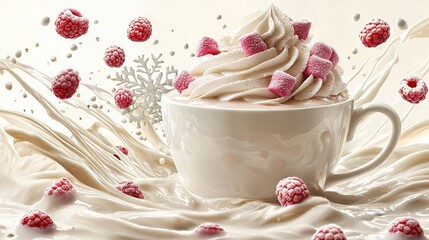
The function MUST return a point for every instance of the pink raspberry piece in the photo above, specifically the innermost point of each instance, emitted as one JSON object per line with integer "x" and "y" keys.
{"x": 114, "y": 56}
{"x": 334, "y": 58}
{"x": 206, "y": 46}
{"x": 252, "y": 43}
{"x": 413, "y": 89}
{"x": 407, "y": 226}
{"x": 123, "y": 97}
{"x": 375, "y": 32}
{"x": 281, "y": 83}
{"x": 130, "y": 188}
{"x": 61, "y": 188}
{"x": 329, "y": 232}
{"x": 139, "y": 30}
{"x": 65, "y": 84}
{"x": 37, "y": 219}
{"x": 291, "y": 190}
{"x": 318, "y": 67}
{"x": 209, "y": 229}
{"x": 322, "y": 50}
{"x": 182, "y": 81}
{"x": 123, "y": 150}
{"x": 71, "y": 24}
{"x": 301, "y": 28}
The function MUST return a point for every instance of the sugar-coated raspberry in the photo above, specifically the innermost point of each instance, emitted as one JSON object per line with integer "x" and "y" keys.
{"x": 61, "y": 188}
{"x": 65, "y": 84}
{"x": 281, "y": 84}
{"x": 301, "y": 28}
{"x": 329, "y": 232}
{"x": 318, "y": 67}
{"x": 322, "y": 50}
{"x": 71, "y": 24}
{"x": 291, "y": 190}
{"x": 37, "y": 219}
{"x": 375, "y": 32}
{"x": 206, "y": 46}
{"x": 407, "y": 226}
{"x": 139, "y": 30}
{"x": 123, "y": 150}
{"x": 209, "y": 229}
{"x": 123, "y": 97}
{"x": 114, "y": 56}
{"x": 334, "y": 58}
{"x": 182, "y": 81}
{"x": 130, "y": 188}
{"x": 413, "y": 89}
{"x": 252, "y": 43}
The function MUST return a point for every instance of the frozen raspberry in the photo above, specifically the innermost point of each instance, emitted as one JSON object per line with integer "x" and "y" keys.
{"x": 375, "y": 33}
{"x": 334, "y": 58}
{"x": 329, "y": 232}
{"x": 207, "y": 46}
{"x": 291, "y": 190}
{"x": 301, "y": 28}
{"x": 71, "y": 24}
{"x": 61, "y": 188}
{"x": 37, "y": 219}
{"x": 130, "y": 188}
{"x": 65, "y": 83}
{"x": 123, "y": 97}
{"x": 413, "y": 89}
{"x": 407, "y": 226}
{"x": 281, "y": 83}
{"x": 114, "y": 56}
{"x": 123, "y": 150}
{"x": 252, "y": 43}
{"x": 139, "y": 29}
{"x": 322, "y": 50}
{"x": 182, "y": 81}
{"x": 318, "y": 67}
{"x": 209, "y": 229}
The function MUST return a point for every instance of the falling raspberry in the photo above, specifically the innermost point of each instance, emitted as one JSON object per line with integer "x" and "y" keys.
{"x": 375, "y": 32}
{"x": 114, "y": 56}
{"x": 329, "y": 232}
{"x": 291, "y": 190}
{"x": 62, "y": 189}
{"x": 206, "y": 46}
{"x": 130, "y": 188}
{"x": 71, "y": 24}
{"x": 406, "y": 226}
{"x": 413, "y": 89}
{"x": 209, "y": 229}
{"x": 37, "y": 219}
{"x": 139, "y": 30}
{"x": 65, "y": 84}
{"x": 123, "y": 97}
{"x": 182, "y": 81}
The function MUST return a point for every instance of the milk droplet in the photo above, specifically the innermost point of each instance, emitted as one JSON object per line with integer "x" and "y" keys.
{"x": 101, "y": 106}
{"x": 73, "y": 47}
{"x": 53, "y": 59}
{"x": 7, "y": 56}
{"x": 172, "y": 53}
{"x": 37, "y": 44}
{"x": 13, "y": 60}
{"x": 219, "y": 17}
{"x": 24, "y": 95}
{"x": 97, "y": 39}
{"x": 94, "y": 106}
{"x": 124, "y": 120}
{"x": 45, "y": 21}
{"x": 8, "y": 85}
{"x": 186, "y": 46}
{"x": 155, "y": 42}
{"x": 108, "y": 76}
{"x": 69, "y": 55}
{"x": 224, "y": 26}
{"x": 356, "y": 17}
{"x": 402, "y": 24}
{"x": 353, "y": 67}
{"x": 96, "y": 21}
{"x": 18, "y": 54}
{"x": 355, "y": 51}
{"x": 93, "y": 98}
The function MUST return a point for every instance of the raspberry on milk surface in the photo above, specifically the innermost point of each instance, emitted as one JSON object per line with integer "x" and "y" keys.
{"x": 70, "y": 128}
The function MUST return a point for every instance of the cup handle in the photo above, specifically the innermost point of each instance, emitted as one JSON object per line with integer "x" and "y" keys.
{"x": 356, "y": 117}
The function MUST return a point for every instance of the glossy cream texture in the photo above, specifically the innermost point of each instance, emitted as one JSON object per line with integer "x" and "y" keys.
{"x": 35, "y": 153}
{"x": 231, "y": 75}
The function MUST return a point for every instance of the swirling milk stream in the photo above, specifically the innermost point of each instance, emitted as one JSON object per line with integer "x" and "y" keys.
{"x": 33, "y": 154}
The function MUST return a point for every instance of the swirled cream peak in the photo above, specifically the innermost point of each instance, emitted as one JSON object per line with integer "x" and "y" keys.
{"x": 231, "y": 75}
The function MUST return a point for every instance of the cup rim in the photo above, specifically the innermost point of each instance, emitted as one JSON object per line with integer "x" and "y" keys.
{"x": 168, "y": 97}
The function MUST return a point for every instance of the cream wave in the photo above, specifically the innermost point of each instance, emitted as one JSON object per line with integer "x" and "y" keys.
{"x": 231, "y": 75}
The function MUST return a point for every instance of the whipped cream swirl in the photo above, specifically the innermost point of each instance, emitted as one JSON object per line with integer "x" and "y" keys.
{"x": 231, "y": 75}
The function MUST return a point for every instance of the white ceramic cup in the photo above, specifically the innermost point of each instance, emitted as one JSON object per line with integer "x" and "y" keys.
{"x": 238, "y": 152}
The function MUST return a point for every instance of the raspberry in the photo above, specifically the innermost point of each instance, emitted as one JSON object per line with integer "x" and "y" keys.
{"x": 209, "y": 229}
{"x": 281, "y": 83}
{"x": 207, "y": 46}
{"x": 130, "y": 188}
{"x": 329, "y": 232}
{"x": 301, "y": 28}
{"x": 182, "y": 81}
{"x": 291, "y": 190}
{"x": 413, "y": 89}
{"x": 123, "y": 150}
{"x": 65, "y": 84}
{"x": 114, "y": 56}
{"x": 318, "y": 67}
{"x": 123, "y": 97}
{"x": 321, "y": 50}
{"x": 37, "y": 219}
{"x": 252, "y": 43}
{"x": 139, "y": 29}
{"x": 61, "y": 188}
{"x": 407, "y": 226}
{"x": 375, "y": 32}
{"x": 71, "y": 24}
